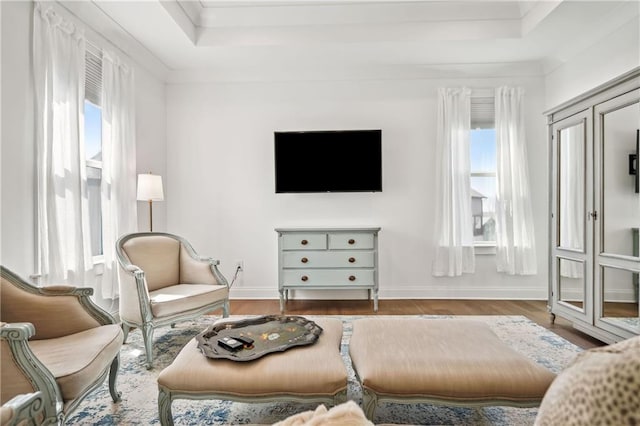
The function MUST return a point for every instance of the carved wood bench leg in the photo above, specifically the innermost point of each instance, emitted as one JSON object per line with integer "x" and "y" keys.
{"x": 164, "y": 407}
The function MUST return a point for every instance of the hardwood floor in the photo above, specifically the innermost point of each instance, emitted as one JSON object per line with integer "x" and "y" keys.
{"x": 535, "y": 310}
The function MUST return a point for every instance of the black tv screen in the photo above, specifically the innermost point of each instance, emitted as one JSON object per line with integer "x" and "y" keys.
{"x": 328, "y": 161}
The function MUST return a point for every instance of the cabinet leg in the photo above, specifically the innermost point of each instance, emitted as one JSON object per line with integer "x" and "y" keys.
{"x": 282, "y": 301}
{"x": 552, "y": 318}
{"x": 375, "y": 300}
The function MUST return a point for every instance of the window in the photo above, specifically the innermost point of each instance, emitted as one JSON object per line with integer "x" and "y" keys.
{"x": 482, "y": 152}
{"x": 93, "y": 144}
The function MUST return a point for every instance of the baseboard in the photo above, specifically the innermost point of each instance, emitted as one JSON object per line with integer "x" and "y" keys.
{"x": 497, "y": 293}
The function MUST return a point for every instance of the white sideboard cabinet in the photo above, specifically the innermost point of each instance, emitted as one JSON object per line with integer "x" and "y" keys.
{"x": 327, "y": 259}
{"x": 594, "y": 262}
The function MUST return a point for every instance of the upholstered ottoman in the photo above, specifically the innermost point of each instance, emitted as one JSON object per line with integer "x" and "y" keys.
{"x": 448, "y": 362}
{"x": 313, "y": 373}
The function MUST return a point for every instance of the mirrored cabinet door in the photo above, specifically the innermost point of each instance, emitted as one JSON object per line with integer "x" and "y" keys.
{"x": 618, "y": 306}
{"x": 572, "y": 187}
{"x": 617, "y": 124}
{"x": 571, "y": 220}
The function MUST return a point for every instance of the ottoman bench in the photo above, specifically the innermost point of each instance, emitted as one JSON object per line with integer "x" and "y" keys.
{"x": 314, "y": 373}
{"x": 446, "y": 362}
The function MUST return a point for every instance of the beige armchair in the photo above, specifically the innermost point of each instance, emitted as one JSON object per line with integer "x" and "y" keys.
{"x": 163, "y": 281}
{"x": 55, "y": 342}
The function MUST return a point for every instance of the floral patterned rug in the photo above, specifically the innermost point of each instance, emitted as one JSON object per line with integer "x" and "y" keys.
{"x": 140, "y": 392}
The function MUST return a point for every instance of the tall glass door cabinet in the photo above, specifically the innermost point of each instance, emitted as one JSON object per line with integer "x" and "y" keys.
{"x": 595, "y": 210}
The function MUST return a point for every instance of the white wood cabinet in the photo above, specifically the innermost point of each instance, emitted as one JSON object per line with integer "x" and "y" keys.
{"x": 595, "y": 209}
{"x": 327, "y": 259}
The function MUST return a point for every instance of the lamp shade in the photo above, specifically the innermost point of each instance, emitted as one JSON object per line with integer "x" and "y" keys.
{"x": 150, "y": 188}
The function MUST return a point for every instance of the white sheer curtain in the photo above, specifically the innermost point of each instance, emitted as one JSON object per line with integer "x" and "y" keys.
{"x": 454, "y": 229}
{"x": 64, "y": 250}
{"x": 515, "y": 241}
{"x": 119, "y": 211}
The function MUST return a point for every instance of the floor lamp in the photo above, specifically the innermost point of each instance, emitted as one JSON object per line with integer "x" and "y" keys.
{"x": 150, "y": 189}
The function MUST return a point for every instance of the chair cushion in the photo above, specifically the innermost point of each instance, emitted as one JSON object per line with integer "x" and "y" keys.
{"x": 600, "y": 387}
{"x": 158, "y": 256}
{"x": 453, "y": 360}
{"x": 77, "y": 360}
{"x": 304, "y": 370}
{"x": 185, "y": 297}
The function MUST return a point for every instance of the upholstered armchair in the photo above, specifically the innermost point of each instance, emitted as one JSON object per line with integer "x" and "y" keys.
{"x": 54, "y": 342}
{"x": 164, "y": 281}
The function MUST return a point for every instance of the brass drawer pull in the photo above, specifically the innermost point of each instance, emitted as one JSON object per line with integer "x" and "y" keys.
{"x": 352, "y": 241}
{"x": 304, "y": 278}
{"x": 304, "y": 260}
{"x": 304, "y": 242}
{"x": 352, "y": 277}
{"x": 352, "y": 260}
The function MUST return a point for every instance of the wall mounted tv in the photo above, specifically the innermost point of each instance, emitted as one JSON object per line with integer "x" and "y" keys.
{"x": 328, "y": 161}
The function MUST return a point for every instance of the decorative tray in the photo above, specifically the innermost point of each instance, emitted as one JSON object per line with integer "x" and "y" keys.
{"x": 256, "y": 337}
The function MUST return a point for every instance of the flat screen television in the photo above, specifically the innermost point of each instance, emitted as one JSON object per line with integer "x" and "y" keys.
{"x": 328, "y": 161}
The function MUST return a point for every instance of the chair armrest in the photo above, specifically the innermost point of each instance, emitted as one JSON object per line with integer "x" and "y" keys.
{"x": 135, "y": 302}
{"x": 22, "y": 408}
{"x": 211, "y": 260}
{"x": 26, "y": 372}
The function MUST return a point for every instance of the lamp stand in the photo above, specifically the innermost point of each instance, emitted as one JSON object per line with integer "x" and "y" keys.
{"x": 150, "y": 216}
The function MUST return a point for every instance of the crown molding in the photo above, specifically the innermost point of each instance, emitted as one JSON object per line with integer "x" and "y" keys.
{"x": 530, "y": 69}
{"x": 185, "y": 15}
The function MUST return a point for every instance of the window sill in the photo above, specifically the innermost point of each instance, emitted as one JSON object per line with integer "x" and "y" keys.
{"x": 484, "y": 249}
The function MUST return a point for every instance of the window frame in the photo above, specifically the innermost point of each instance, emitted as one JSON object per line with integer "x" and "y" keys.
{"x": 93, "y": 95}
{"x": 482, "y": 118}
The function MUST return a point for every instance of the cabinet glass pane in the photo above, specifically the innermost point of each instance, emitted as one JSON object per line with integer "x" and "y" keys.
{"x": 621, "y": 202}
{"x": 620, "y": 298}
{"x": 571, "y": 282}
{"x": 571, "y": 187}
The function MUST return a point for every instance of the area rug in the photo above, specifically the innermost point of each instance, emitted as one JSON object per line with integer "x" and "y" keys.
{"x": 140, "y": 391}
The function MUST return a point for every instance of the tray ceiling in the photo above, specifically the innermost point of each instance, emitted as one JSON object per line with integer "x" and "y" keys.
{"x": 276, "y": 37}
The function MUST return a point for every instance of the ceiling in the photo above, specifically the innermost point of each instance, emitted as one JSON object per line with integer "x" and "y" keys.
{"x": 278, "y": 39}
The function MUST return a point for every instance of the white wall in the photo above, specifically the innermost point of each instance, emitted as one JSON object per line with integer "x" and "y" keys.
{"x": 18, "y": 152}
{"x": 221, "y": 179}
{"x": 610, "y": 57}
{"x": 17, "y": 232}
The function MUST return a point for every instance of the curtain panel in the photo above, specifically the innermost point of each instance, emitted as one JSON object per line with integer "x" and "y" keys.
{"x": 118, "y": 190}
{"x": 63, "y": 246}
{"x": 454, "y": 253}
{"x": 515, "y": 240}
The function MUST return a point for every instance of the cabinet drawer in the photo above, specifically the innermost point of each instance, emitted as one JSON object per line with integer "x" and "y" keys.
{"x": 354, "y": 240}
{"x": 328, "y": 277}
{"x": 300, "y": 241}
{"x": 328, "y": 259}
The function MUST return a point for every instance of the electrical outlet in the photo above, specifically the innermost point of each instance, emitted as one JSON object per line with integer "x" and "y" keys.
{"x": 239, "y": 265}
